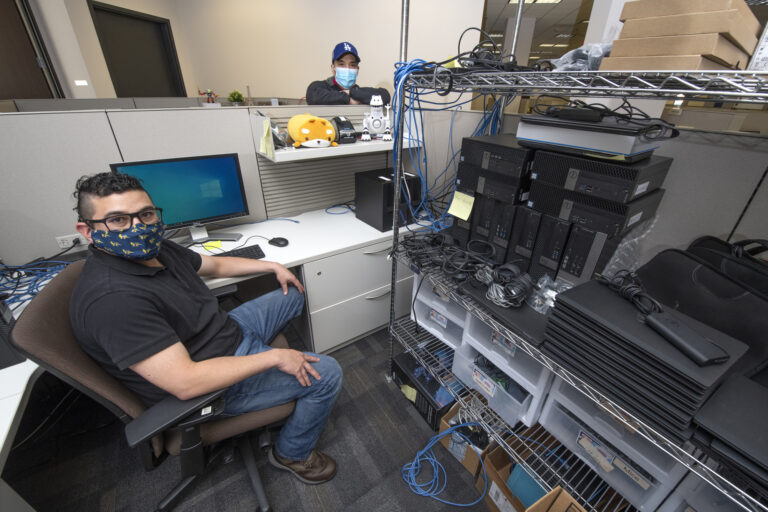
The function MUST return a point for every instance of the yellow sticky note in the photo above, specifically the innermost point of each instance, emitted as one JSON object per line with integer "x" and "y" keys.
{"x": 267, "y": 147}
{"x": 461, "y": 206}
{"x": 409, "y": 392}
{"x": 214, "y": 244}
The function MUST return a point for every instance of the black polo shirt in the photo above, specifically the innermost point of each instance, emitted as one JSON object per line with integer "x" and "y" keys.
{"x": 122, "y": 312}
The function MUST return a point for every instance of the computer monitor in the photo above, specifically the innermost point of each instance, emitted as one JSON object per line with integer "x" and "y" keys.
{"x": 193, "y": 191}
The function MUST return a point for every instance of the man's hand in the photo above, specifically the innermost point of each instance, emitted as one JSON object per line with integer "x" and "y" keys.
{"x": 297, "y": 364}
{"x": 353, "y": 101}
{"x": 286, "y": 277}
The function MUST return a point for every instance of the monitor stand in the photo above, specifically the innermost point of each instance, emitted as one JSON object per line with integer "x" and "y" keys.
{"x": 199, "y": 234}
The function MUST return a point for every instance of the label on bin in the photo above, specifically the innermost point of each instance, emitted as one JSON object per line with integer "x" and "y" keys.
{"x": 500, "y": 340}
{"x": 484, "y": 382}
{"x": 438, "y": 318}
{"x": 603, "y": 457}
{"x": 631, "y": 473}
{"x": 498, "y": 498}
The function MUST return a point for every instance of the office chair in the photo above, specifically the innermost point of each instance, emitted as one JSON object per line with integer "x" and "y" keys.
{"x": 43, "y": 333}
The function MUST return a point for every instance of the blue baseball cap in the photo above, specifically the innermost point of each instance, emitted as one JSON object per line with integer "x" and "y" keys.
{"x": 342, "y": 48}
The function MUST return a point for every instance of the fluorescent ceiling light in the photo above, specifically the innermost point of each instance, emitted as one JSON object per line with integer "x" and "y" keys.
{"x": 532, "y": 57}
{"x": 496, "y": 35}
{"x": 563, "y": 36}
{"x": 560, "y": 45}
{"x": 547, "y": 44}
{"x": 537, "y": 1}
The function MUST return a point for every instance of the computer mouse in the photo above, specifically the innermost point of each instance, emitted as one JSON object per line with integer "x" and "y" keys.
{"x": 278, "y": 241}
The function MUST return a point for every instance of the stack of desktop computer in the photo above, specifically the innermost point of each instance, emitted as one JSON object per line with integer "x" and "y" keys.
{"x": 549, "y": 212}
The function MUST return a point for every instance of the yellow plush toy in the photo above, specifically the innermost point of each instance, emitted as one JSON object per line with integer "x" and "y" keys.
{"x": 311, "y": 131}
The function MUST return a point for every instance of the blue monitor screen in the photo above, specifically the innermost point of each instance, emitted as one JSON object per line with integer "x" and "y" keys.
{"x": 192, "y": 190}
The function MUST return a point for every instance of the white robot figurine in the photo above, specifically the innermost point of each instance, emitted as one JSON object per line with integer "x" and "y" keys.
{"x": 375, "y": 122}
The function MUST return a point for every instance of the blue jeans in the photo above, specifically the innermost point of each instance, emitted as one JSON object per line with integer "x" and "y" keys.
{"x": 262, "y": 319}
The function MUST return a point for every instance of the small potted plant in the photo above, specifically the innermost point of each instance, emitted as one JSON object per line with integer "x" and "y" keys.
{"x": 236, "y": 98}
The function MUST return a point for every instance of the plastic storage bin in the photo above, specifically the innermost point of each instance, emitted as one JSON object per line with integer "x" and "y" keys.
{"x": 510, "y": 404}
{"x": 636, "y": 468}
{"x": 695, "y": 494}
{"x": 522, "y": 368}
{"x": 444, "y": 319}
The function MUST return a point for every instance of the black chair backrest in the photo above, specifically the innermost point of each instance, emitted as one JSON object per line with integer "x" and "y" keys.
{"x": 44, "y": 334}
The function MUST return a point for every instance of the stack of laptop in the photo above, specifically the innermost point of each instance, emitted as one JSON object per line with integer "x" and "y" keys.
{"x": 732, "y": 429}
{"x": 600, "y": 337}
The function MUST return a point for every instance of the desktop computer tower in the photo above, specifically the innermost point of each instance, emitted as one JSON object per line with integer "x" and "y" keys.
{"x": 595, "y": 213}
{"x": 497, "y": 153}
{"x": 492, "y": 222}
{"x": 525, "y": 227}
{"x": 614, "y": 181}
{"x": 473, "y": 180}
{"x": 586, "y": 253}
{"x": 548, "y": 248}
{"x": 374, "y": 195}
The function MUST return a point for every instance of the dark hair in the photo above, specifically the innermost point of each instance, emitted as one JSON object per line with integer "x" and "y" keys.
{"x": 101, "y": 185}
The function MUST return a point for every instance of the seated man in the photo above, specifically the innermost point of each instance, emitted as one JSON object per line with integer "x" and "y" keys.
{"x": 341, "y": 89}
{"x": 142, "y": 312}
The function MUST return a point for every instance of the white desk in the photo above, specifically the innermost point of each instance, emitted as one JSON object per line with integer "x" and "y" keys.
{"x": 316, "y": 236}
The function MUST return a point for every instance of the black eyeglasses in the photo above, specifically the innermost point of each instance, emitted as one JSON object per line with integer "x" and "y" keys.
{"x": 123, "y": 221}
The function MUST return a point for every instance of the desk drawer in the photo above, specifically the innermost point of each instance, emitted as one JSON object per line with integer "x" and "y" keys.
{"x": 341, "y": 322}
{"x": 338, "y": 278}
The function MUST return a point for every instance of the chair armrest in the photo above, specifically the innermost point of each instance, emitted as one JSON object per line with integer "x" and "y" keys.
{"x": 171, "y": 412}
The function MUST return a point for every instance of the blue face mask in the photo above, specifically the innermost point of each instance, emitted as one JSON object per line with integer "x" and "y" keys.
{"x": 139, "y": 242}
{"x": 346, "y": 77}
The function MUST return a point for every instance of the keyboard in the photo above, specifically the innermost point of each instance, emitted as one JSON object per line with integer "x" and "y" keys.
{"x": 252, "y": 251}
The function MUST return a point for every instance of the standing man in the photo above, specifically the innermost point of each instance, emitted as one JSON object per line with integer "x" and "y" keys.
{"x": 142, "y": 311}
{"x": 341, "y": 88}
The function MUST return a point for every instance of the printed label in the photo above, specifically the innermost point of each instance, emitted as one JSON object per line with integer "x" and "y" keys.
{"x": 438, "y": 318}
{"x": 603, "y": 457}
{"x": 481, "y": 185}
{"x": 631, "y": 473}
{"x": 498, "y": 498}
{"x": 485, "y": 160}
{"x": 636, "y": 217}
{"x": 484, "y": 382}
{"x": 500, "y": 340}
{"x": 641, "y": 188}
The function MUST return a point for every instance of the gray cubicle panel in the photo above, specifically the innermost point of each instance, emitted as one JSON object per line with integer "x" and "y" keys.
{"x": 43, "y": 155}
{"x": 58, "y": 104}
{"x": 710, "y": 181}
{"x": 168, "y": 102}
{"x": 157, "y": 134}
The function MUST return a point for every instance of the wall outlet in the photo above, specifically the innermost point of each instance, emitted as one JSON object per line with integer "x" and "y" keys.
{"x": 67, "y": 241}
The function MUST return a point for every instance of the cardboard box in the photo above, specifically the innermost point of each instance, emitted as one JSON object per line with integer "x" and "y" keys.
{"x": 712, "y": 46}
{"x": 727, "y": 23}
{"x": 557, "y": 500}
{"x": 498, "y": 466}
{"x": 654, "y": 8}
{"x": 463, "y": 452}
{"x": 666, "y": 62}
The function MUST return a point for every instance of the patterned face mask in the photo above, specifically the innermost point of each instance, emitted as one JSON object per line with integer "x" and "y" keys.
{"x": 139, "y": 242}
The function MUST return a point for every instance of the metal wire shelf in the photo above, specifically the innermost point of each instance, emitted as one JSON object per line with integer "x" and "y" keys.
{"x": 537, "y": 452}
{"x": 686, "y": 454}
{"x": 720, "y": 86}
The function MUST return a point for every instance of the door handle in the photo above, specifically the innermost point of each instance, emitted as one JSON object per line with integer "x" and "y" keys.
{"x": 377, "y": 252}
{"x": 387, "y": 292}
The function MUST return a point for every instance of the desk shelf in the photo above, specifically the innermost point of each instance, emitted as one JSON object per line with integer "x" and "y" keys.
{"x": 686, "y": 454}
{"x": 292, "y": 154}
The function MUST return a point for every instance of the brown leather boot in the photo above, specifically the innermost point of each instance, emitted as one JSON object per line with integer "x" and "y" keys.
{"x": 318, "y": 468}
